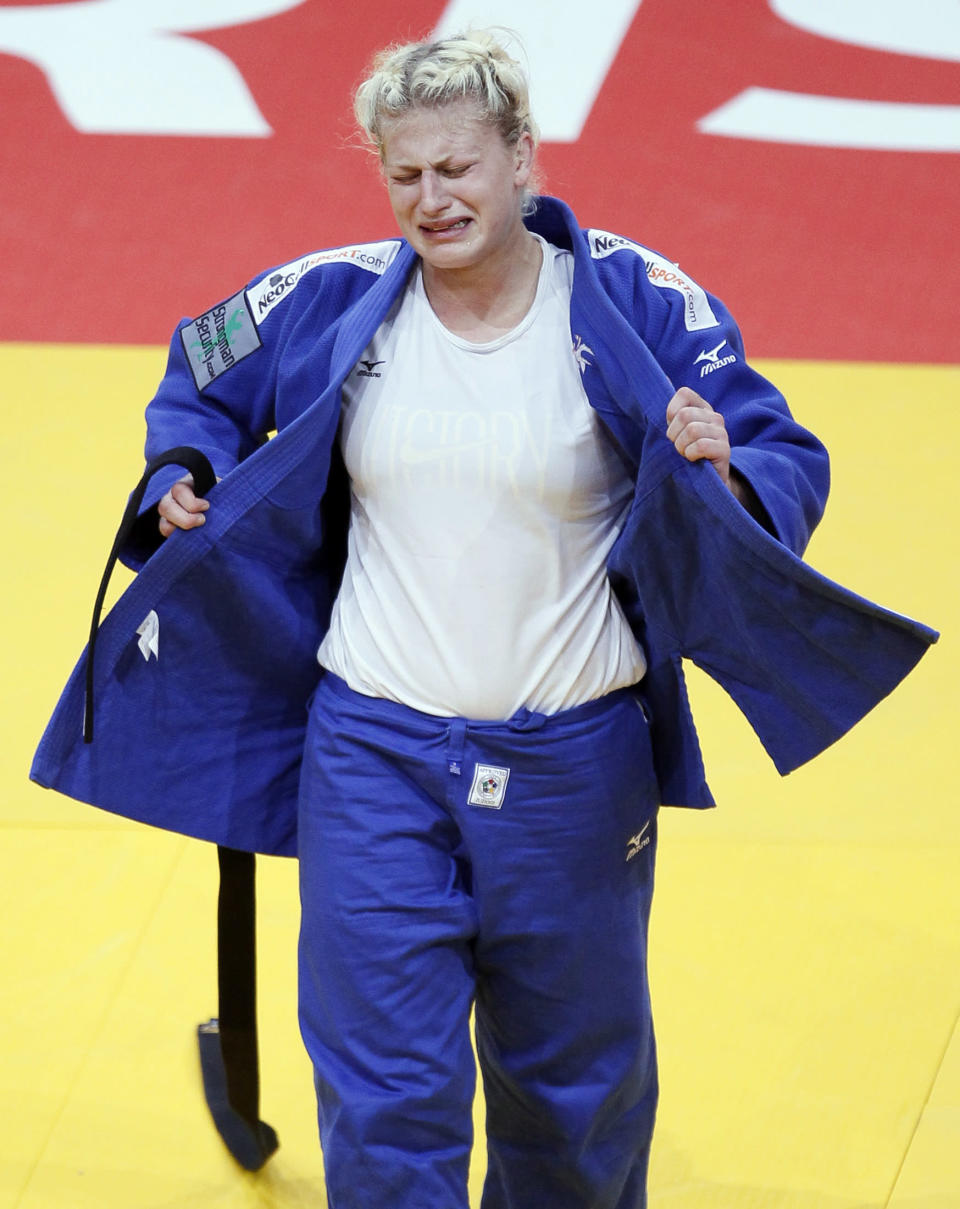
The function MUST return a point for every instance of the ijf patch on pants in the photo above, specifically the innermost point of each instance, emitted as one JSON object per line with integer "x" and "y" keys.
{"x": 489, "y": 786}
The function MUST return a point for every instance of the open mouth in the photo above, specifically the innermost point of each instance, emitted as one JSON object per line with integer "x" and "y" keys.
{"x": 447, "y": 228}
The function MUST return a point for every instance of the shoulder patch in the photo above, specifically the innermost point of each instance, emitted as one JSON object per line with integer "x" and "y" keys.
{"x": 218, "y": 339}
{"x": 266, "y": 294}
{"x": 697, "y": 312}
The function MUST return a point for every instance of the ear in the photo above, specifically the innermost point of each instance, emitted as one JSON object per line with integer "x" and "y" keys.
{"x": 524, "y": 153}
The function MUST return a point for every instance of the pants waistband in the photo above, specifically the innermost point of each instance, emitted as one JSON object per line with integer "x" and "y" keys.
{"x": 523, "y": 719}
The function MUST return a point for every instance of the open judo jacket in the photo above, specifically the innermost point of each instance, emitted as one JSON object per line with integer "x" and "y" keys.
{"x": 205, "y": 667}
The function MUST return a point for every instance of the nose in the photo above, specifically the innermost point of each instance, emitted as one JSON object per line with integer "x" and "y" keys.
{"x": 434, "y": 198}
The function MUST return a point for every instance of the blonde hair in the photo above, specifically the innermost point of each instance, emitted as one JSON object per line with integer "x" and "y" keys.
{"x": 471, "y": 65}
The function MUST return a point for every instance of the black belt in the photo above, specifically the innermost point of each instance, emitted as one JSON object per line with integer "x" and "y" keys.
{"x": 229, "y": 1061}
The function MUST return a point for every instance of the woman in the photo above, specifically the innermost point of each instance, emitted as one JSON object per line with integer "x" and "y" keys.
{"x": 501, "y": 709}
{"x": 478, "y": 801}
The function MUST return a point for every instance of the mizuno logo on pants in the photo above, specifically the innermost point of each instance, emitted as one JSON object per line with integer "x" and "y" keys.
{"x": 636, "y": 843}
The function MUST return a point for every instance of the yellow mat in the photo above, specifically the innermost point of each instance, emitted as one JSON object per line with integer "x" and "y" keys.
{"x": 805, "y": 953}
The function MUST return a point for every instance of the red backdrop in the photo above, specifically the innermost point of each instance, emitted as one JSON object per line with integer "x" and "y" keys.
{"x": 820, "y": 252}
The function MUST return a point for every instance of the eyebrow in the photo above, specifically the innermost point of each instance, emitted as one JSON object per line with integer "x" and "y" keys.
{"x": 446, "y": 162}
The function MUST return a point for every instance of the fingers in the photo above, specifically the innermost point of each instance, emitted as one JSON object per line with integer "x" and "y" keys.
{"x": 697, "y": 439}
{"x": 181, "y": 508}
{"x": 697, "y": 431}
{"x": 685, "y": 397}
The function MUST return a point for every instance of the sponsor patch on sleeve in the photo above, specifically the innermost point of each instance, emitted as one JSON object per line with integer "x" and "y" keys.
{"x": 219, "y": 338}
{"x": 697, "y": 312}
{"x": 266, "y": 294}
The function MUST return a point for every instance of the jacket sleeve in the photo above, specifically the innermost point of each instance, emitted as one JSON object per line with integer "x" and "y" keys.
{"x": 699, "y": 345}
{"x": 217, "y": 395}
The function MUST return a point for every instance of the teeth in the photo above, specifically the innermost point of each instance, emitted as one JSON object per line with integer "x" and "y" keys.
{"x": 450, "y": 226}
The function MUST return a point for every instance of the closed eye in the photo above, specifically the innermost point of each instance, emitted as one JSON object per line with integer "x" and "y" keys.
{"x": 411, "y": 176}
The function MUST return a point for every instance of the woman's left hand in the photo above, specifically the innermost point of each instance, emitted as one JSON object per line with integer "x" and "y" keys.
{"x": 698, "y": 432}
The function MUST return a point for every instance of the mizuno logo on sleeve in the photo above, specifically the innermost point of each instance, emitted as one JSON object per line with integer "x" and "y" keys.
{"x": 713, "y": 360}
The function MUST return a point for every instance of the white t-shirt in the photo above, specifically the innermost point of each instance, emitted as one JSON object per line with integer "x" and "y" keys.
{"x": 485, "y": 498}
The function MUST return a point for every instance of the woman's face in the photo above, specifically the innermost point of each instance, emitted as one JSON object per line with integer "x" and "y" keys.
{"x": 454, "y": 184}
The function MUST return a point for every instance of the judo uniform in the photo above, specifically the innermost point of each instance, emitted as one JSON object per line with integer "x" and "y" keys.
{"x": 206, "y": 666}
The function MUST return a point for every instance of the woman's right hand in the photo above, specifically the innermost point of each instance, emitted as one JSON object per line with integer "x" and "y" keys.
{"x": 180, "y": 508}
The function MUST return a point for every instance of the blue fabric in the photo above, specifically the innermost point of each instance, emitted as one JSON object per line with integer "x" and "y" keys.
{"x": 206, "y": 738}
{"x": 412, "y": 898}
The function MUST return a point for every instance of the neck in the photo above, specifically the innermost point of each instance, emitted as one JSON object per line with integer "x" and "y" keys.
{"x": 481, "y": 302}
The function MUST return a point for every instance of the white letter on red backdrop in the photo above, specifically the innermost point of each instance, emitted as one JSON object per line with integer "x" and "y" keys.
{"x": 570, "y": 49}
{"x": 931, "y": 29}
{"x": 120, "y": 66}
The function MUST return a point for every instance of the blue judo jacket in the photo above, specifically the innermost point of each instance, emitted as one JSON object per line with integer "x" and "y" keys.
{"x": 206, "y": 665}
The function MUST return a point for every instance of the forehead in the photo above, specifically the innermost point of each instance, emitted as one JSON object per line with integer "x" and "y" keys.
{"x": 430, "y": 135}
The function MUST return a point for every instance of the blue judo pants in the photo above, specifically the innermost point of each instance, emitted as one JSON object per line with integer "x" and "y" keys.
{"x": 509, "y": 865}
